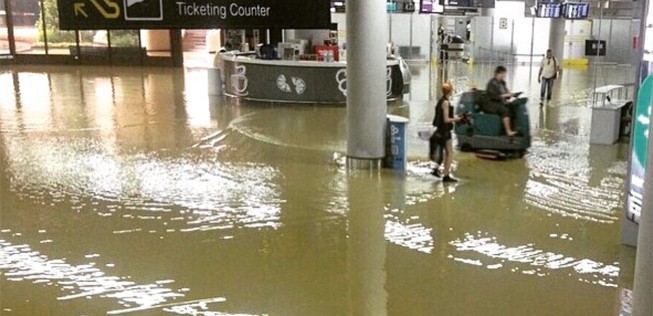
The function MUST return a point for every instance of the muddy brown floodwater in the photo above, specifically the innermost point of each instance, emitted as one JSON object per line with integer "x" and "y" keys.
{"x": 131, "y": 191}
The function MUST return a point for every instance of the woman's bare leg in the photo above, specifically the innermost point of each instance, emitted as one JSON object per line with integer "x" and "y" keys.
{"x": 448, "y": 157}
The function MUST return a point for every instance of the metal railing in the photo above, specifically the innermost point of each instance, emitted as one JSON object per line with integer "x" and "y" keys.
{"x": 504, "y": 57}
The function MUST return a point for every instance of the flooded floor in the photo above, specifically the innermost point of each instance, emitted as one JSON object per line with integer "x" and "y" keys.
{"x": 131, "y": 191}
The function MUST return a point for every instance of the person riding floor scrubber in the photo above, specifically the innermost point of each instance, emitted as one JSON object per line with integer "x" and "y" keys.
{"x": 500, "y": 127}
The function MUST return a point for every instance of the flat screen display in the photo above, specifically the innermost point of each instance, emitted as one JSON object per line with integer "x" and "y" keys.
{"x": 428, "y": 6}
{"x": 459, "y": 3}
{"x": 576, "y": 10}
{"x": 594, "y": 48}
{"x": 549, "y": 10}
{"x": 391, "y": 6}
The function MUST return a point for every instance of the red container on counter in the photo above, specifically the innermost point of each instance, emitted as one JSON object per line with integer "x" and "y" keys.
{"x": 320, "y": 49}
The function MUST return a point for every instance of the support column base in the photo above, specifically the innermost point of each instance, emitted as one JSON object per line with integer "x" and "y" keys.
{"x": 364, "y": 164}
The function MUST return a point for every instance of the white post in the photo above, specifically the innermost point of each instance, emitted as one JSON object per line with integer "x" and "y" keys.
{"x": 366, "y": 82}
{"x": 557, "y": 39}
{"x": 366, "y": 253}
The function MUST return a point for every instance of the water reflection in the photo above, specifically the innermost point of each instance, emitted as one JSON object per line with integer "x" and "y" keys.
{"x": 89, "y": 281}
{"x": 366, "y": 245}
{"x": 528, "y": 260}
{"x": 21, "y": 263}
{"x": 563, "y": 183}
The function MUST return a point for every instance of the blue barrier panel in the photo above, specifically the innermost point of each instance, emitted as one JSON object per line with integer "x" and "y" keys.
{"x": 396, "y": 143}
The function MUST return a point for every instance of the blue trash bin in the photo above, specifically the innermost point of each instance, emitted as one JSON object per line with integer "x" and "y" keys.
{"x": 395, "y": 152}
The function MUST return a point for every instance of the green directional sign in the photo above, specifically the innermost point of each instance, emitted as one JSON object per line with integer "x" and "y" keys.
{"x": 642, "y": 121}
{"x": 639, "y": 150}
{"x": 193, "y": 14}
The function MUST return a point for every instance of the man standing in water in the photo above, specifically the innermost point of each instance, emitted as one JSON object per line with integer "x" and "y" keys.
{"x": 548, "y": 73}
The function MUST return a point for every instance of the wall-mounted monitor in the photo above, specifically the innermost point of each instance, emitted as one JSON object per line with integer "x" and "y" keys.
{"x": 430, "y": 7}
{"x": 594, "y": 48}
{"x": 576, "y": 10}
{"x": 459, "y": 3}
{"x": 408, "y": 7}
{"x": 338, "y": 6}
{"x": 548, "y": 10}
{"x": 391, "y": 6}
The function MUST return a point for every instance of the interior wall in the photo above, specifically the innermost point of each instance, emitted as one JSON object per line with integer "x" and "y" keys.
{"x": 488, "y": 35}
{"x": 482, "y": 38}
{"x": 577, "y": 32}
{"x": 619, "y": 35}
{"x": 513, "y": 43}
{"x": 341, "y": 20}
{"x": 399, "y": 25}
{"x": 404, "y": 37}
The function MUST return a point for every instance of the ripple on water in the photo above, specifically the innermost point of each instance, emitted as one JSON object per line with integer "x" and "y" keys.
{"x": 560, "y": 183}
{"x": 402, "y": 228}
{"x": 532, "y": 261}
{"x": 19, "y": 263}
{"x": 209, "y": 194}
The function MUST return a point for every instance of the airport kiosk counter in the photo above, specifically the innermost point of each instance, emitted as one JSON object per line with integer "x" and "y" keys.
{"x": 299, "y": 81}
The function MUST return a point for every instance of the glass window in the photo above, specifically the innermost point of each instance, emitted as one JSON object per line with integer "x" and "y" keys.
{"x": 4, "y": 37}
{"x": 94, "y": 44}
{"x": 125, "y": 46}
{"x": 59, "y": 42}
{"x": 25, "y": 14}
{"x": 156, "y": 42}
{"x": 124, "y": 38}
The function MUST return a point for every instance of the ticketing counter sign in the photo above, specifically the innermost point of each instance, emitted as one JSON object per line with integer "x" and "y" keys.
{"x": 193, "y": 14}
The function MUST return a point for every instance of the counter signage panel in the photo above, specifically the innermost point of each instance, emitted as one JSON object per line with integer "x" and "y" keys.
{"x": 297, "y": 83}
{"x": 193, "y": 14}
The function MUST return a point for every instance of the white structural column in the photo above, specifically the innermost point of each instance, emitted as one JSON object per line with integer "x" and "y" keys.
{"x": 643, "y": 289}
{"x": 556, "y": 39}
{"x": 366, "y": 247}
{"x": 366, "y": 81}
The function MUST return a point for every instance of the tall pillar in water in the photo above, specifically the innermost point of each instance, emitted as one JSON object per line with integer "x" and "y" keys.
{"x": 643, "y": 288}
{"x": 366, "y": 82}
{"x": 556, "y": 39}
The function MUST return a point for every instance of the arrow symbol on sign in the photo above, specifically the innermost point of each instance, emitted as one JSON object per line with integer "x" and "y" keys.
{"x": 116, "y": 9}
{"x": 79, "y": 9}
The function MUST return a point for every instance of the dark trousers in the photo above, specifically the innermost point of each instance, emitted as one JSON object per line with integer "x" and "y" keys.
{"x": 547, "y": 87}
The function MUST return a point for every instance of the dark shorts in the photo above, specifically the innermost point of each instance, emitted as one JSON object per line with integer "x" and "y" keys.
{"x": 496, "y": 108}
{"x": 440, "y": 137}
{"x": 437, "y": 143}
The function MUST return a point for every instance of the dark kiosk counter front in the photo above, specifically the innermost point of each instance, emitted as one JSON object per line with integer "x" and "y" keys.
{"x": 299, "y": 81}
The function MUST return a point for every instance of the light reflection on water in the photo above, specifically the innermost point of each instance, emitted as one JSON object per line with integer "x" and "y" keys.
{"x": 529, "y": 260}
{"x": 412, "y": 236}
{"x": 86, "y": 281}
{"x": 561, "y": 182}
{"x": 210, "y": 194}
{"x": 21, "y": 263}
